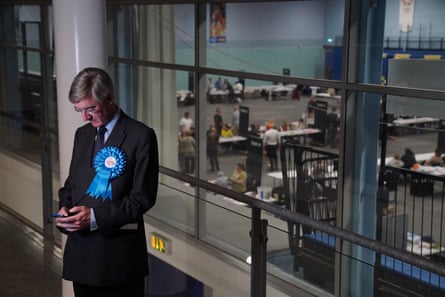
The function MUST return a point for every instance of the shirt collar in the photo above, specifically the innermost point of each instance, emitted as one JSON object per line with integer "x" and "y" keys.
{"x": 110, "y": 125}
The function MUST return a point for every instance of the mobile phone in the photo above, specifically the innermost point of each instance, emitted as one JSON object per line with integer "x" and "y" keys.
{"x": 57, "y": 215}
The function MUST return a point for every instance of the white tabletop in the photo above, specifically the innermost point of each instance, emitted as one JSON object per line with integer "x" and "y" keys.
{"x": 299, "y": 132}
{"x": 214, "y": 91}
{"x": 433, "y": 170}
{"x": 419, "y": 158}
{"x": 423, "y": 250}
{"x": 326, "y": 95}
{"x": 279, "y": 174}
{"x": 416, "y": 246}
{"x": 292, "y": 173}
{"x": 182, "y": 94}
{"x": 419, "y": 120}
{"x": 235, "y": 138}
{"x": 271, "y": 88}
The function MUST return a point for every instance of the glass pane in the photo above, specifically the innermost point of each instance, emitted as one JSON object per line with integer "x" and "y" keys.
{"x": 175, "y": 204}
{"x": 226, "y": 225}
{"x": 23, "y": 81}
{"x": 413, "y": 176}
{"x": 21, "y": 139}
{"x": 415, "y": 73}
{"x": 21, "y": 25}
{"x": 273, "y": 37}
{"x": 156, "y": 33}
{"x": 406, "y": 49}
{"x": 307, "y": 115}
{"x": 412, "y": 43}
{"x": 415, "y": 124}
{"x": 138, "y": 91}
{"x": 23, "y": 87}
{"x": 22, "y": 103}
{"x": 281, "y": 252}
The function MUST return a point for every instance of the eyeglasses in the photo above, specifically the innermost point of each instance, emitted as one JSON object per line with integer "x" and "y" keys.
{"x": 88, "y": 110}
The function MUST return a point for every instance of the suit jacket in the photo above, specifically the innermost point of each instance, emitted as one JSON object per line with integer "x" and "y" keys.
{"x": 111, "y": 255}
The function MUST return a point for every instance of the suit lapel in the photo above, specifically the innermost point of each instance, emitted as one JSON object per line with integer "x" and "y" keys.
{"x": 119, "y": 132}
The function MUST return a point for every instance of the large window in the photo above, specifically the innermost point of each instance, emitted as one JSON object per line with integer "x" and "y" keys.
{"x": 290, "y": 65}
{"x": 240, "y": 85}
{"x": 27, "y": 104}
{"x": 354, "y": 86}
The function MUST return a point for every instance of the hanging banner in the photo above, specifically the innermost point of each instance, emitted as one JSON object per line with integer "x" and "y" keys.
{"x": 217, "y": 23}
{"x": 406, "y": 15}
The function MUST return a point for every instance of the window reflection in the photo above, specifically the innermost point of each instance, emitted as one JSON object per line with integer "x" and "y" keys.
{"x": 138, "y": 26}
{"x": 28, "y": 100}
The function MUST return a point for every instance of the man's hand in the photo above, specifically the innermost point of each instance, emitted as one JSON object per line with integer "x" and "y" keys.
{"x": 77, "y": 218}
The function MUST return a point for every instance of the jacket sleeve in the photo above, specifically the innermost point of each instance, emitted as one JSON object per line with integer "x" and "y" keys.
{"x": 65, "y": 197}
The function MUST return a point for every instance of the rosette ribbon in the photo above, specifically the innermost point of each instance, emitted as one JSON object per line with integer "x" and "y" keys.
{"x": 109, "y": 163}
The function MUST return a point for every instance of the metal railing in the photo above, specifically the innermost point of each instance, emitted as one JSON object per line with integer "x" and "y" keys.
{"x": 259, "y": 235}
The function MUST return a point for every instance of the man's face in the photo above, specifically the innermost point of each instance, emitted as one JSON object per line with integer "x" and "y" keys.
{"x": 98, "y": 114}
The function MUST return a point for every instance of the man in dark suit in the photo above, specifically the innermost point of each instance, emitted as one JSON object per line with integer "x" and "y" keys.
{"x": 332, "y": 126}
{"x": 105, "y": 196}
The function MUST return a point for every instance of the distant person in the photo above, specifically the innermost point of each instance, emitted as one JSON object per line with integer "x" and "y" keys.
{"x": 301, "y": 124}
{"x": 209, "y": 85}
{"x": 226, "y": 131}
{"x": 186, "y": 122}
{"x": 219, "y": 86}
{"x": 271, "y": 140}
{"x": 235, "y": 120}
{"x": 239, "y": 91}
{"x": 222, "y": 180}
{"x": 181, "y": 150}
{"x": 408, "y": 158}
{"x": 284, "y": 126}
{"x": 396, "y": 161}
{"x": 254, "y": 130}
{"x": 188, "y": 144}
{"x": 310, "y": 120}
{"x": 332, "y": 121}
{"x": 218, "y": 120}
{"x": 228, "y": 88}
{"x": 270, "y": 123}
{"x": 296, "y": 94}
{"x": 311, "y": 106}
{"x": 239, "y": 178}
{"x": 436, "y": 159}
{"x": 212, "y": 147}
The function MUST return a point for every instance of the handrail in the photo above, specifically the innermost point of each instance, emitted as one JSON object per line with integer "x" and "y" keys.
{"x": 299, "y": 218}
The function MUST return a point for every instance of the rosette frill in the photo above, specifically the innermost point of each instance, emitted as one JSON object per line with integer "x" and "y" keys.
{"x": 109, "y": 163}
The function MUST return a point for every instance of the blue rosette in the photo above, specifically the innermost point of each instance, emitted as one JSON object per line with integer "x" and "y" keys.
{"x": 110, "y": 162}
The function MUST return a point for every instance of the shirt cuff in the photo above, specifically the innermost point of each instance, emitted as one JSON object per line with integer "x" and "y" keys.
{"x": 93, "y": 224}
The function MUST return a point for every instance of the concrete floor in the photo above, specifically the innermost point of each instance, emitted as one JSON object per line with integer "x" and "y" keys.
{"x": 30, "y": 266}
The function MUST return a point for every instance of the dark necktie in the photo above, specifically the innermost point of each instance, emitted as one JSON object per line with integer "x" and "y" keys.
{"x": 99, "y": 143}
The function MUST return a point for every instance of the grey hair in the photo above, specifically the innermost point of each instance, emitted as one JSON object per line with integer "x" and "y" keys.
{"x": 91, "y": 81}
